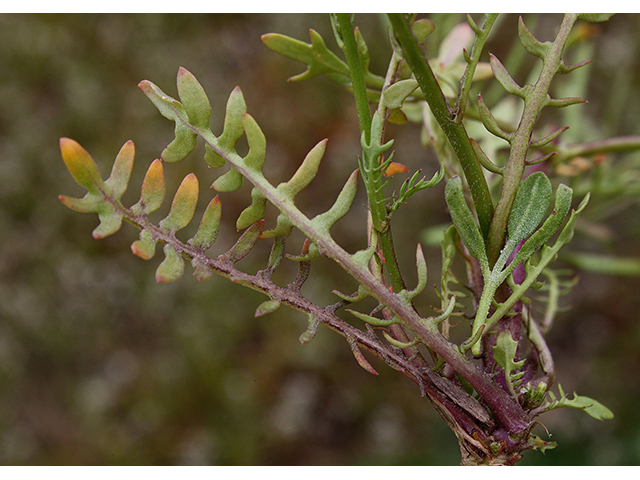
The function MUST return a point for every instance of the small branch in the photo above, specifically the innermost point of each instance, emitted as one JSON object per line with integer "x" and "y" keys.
{"x": 467, "y": 78}
{"x": 444, "y": 114}
{"x": 520, "y": 144}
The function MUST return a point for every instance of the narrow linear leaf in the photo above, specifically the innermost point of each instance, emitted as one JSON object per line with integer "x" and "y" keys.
{"x": 357, "y": 353}
{"x": 505, "y": 79}
{"x": 232, "y": 130}
{"x": 311, "y": 331}
{"x": 489, "y": 121}
{"x": 464, "y": 222}
{"x": 530, "y": 43}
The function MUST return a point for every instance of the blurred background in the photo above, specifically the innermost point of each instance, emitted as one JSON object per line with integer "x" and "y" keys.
{"x": 100, "y": 365}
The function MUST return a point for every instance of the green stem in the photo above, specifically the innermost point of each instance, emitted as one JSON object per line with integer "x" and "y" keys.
{"x": 445, "y": 116}
{"x": 522, "y": 137}
{"x": 350, "y": 49}
{"x": 467, "y": 78}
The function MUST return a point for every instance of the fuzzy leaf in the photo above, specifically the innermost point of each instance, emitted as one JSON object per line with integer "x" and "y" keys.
{"x": 153, "y": 190}
{"x": 489, "y": 121}
{"x": 530, "y": 43}
{"x": 396, "y": 94}
{"x": 595, "y": 17}
{"x": 562, "y": 204}
{"x": 183, "y": 205}
{"x": 529, "y": 207}
{"x": 422, "y": 28}
{"x": 172, "y": 267}
{"x": 194, "y": 99}
{"x": 209, "y": 225}
{"x": 80, "y": 164}
{"x": 311, "y": 330}
{"x": 504, "y": 353}
{"x": 464, "y": 222}
{"x": 505, "y": 79}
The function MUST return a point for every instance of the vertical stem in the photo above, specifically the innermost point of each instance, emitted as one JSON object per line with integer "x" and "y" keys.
{"x": 455, "y": 132}
{"x": 352, "y": 56}
{"x": 520, "y": 144}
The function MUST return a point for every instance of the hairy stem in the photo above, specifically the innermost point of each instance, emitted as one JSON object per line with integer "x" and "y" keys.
{"x": 467, "y": 78}
{"x": 514, "y": 169}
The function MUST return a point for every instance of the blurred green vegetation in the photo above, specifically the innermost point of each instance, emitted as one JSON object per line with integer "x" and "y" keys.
{"x": 99, "y": 365}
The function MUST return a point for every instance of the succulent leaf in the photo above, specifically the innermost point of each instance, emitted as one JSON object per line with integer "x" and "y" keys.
{"x": 121, "y": 171}
{"x": 194, "y": 99}
{"x": 172, "y": 267}
{"x": 209, "y": 226}
{"x": 80, "y": 164}
{"x": 316, "y": 56}
{"x": 183, "y": 205}
{"x": 244, "y": 245}
{"x": 152, "y": 191}
{"x": 144, "y": 248}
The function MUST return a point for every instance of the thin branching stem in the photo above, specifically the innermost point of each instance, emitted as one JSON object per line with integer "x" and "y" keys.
{"x": 445, "y": 116}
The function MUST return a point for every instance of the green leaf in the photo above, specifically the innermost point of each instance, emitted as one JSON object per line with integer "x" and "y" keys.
{"x": 316, "y": 56}
{"x": 121, "y": 172}
{"x": 529, "y": 207}
{"x": 172, "y": 267}
{"x": 232, "y": 130}
{"x": 244, "y": 245}
{"x": 153, "y": 190}
{"x": 464, "y": 221}
{"x": 267, "y": 307}
{"x": 183, "y": 205}
{"x": 530, "y": 43}
{"x": 194, "y": 99}
{"x": 590, "y": 406}
{"x": 595, "y": 17}
{"x": 505, "y": 79}
{"x": 396, "y": 94}
{"x": 209, "y": 225}
{"x": 422, "y": 28}
{"x": 504, "y": 353}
